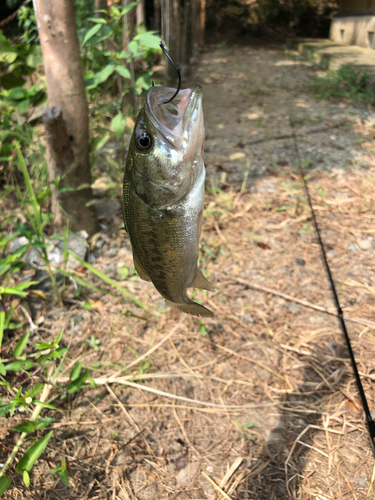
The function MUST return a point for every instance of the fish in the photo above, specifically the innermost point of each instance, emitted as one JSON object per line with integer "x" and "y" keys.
{"x": 163, "y": 195}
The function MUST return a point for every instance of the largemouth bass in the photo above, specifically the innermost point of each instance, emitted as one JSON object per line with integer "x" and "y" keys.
{"x": 164, "y": 193}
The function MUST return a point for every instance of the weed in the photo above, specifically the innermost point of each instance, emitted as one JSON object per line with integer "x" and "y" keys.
{"x": 349, "y": 83}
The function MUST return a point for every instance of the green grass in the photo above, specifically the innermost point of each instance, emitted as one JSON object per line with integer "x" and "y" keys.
{"x": 347, "y": 83}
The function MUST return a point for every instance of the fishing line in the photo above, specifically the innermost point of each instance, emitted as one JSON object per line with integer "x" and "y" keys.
{"x": 369, "y": 420}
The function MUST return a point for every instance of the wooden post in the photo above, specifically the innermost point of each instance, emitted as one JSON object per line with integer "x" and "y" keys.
{"x": 66, "y": 90}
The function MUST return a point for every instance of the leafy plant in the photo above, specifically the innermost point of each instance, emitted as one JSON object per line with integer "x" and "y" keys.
{"x": 348, "y": 83}
{"x": 109, "y": 68}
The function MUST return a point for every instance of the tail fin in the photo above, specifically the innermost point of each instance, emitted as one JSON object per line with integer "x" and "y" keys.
{"x": 191, "y": 308}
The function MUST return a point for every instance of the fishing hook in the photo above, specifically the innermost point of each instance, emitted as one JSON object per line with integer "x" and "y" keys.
{"x": 162, "y": 46}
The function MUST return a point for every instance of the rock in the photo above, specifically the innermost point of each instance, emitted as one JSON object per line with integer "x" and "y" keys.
{"x": 16, "y": 244}
{"x": 361, "y": 481}
{"x": 113, "y": 252}
{"x": 99, "y": 244}
{"x": 353, "y": 248}
{"x": 45, "y": 282}
{"x": 300, "y": 262}
{"x": 248, "y": 318}
{"x": 91, "y": 258}
{"x": 78, "y": 245}
{"x": 365, "y": 244}
{"x": 293, "y": 307}
{"x": 106, "y": 208}
{"x": 186, "y": 474}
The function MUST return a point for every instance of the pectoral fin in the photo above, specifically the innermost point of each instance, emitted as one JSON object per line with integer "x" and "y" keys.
{"x": 193, "y": 308}
{"x": 140, "y": 271}
{"x": 200, "y": 281}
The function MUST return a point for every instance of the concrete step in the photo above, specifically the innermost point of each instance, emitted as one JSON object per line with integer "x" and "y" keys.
{"x": 333, "y": 55}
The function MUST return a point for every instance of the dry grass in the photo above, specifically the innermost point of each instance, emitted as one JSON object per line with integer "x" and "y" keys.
{"x": 258, "y": 402}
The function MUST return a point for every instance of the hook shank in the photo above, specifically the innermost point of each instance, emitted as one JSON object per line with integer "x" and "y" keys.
{"x": 162, "y": 46}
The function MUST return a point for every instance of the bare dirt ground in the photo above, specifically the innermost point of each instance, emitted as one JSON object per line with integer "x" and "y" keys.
{"x": 258, "y": 402}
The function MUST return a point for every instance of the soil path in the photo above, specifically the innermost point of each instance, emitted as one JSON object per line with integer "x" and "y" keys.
{"x": 276, "y": 414}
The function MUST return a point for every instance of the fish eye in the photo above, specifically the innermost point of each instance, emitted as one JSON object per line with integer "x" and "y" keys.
{"x": 143, "y": 141}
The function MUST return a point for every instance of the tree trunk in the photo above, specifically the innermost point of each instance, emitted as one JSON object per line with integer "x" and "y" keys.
{"x": 129, "y": 102}
{"x": 182, "y": 27}
{"x": 66, "y": 90}
{"x": 141, "y": 12}
{"x": 100, "y": 5}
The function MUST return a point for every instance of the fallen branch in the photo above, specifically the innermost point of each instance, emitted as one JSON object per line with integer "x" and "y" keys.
{"x": 360, "y": 321}
{"x": 124, "y": 381}
{"x": 281, "y": 137}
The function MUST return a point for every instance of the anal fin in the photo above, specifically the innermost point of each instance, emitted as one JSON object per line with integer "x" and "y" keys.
{"x": 193, "y": 308}
{"x": 200, "y": 281}
{"x": 140, "y": 271}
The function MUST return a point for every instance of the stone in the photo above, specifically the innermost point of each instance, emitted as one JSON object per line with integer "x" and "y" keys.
{"x": 106, "y": 208}
{"x": 293, "y": 307}
{"x": 77, "y": 245}
{"x": 99, "y": 244}
{"x": 16, "y": 244}
{"x": 45, "y": 282}
{"x": 248, "y": 318}
{"x": 353, "y": 248}
{"x": 300, "y": 262}
{"x": 113, "y": 252}
{"x": 364, "y": 244}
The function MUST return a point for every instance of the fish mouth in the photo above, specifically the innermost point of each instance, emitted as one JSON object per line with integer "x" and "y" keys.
{"x": 174, "y": 120}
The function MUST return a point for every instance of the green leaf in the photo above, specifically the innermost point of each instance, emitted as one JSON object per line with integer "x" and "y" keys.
{"x": 76, "y": 370}
{"x": 4, "y": 484}
{"x": 21, "y": 344}
{"x": 64, "y": 474}
{"x": 133, "y": 47}
{"x": 34, "y": 391}
{"x": 91, "y": 32}
{"x": 4, "y": 409}
{"x": 35, "y": 58}
{"x": 18, "y": 93}
{"x": 97, "y": 20}
{"x": 98, "y": 142}
{"x": 30, "y": 190}
{"x": 11, "y": 80}
{"x": 33, "y": 453}
{"x": 143, "y": 82}
{"x": 17, "y": 366}
{"x": 2, "y": 370}
{"x": 53, "y": 471}
{"x": 104, "y": 74}
{"x": 78, "y": 383}
{"x": 148, "y": 39}
{"x": 43, "y": 422}
{"x": 118, "y": 125}
{"x": 27, "y": 426}
{"x": 2, "y": 323}
{"x": 45, "y": 405}
{"x": 23, "y": 106}
{"x": 26, "y": 478}
{"x": 127, "y": 8}
{"x": 124, "y": 72}
{"x": 17, "y": 289}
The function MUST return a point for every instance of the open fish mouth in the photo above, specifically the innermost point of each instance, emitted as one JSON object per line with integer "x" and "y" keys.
{"x": 176, "y": 119}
